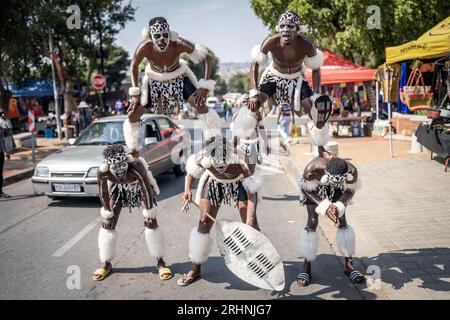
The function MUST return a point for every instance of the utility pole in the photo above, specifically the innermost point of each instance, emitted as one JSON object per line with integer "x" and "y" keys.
{"x": 55, "y": 92}
{"x": 102, "y": 58}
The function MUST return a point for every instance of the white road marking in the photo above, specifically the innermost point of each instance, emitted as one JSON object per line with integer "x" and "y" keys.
{"x": 60, "y": 252}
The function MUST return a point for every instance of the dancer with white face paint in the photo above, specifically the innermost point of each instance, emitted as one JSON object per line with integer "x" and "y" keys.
{"x": 125, "y": 182}
{"x": 168, "y": 81}
{"x": 284, "y": 79}
{"x": 326, "y": 188}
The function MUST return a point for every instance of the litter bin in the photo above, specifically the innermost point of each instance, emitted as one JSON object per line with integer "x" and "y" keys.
{"x": 48, "y": 133}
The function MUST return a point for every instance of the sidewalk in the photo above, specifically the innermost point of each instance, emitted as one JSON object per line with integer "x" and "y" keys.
{"x": 401, "y": 216}
{"x": 21, "y": 166}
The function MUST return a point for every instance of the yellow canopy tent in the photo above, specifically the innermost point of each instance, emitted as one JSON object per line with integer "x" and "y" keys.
{"x": 433, "y": 44}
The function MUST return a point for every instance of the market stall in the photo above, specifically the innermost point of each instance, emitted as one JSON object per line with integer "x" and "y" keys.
{"x": 351, "y": 88}
{"x": 417, "y": 75}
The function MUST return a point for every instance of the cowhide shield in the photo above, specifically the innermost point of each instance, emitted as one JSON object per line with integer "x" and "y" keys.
{"x": 323, "y": 105}
{"x": 250, "y": 255}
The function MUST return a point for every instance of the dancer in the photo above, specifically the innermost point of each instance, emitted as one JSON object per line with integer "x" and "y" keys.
{"x": 168, "y": 81}
{"x": 125, "y": 181}
{"x": 327, "y": 186}
{"x": 283, "y": 79}
{"x": 228, "y": 175}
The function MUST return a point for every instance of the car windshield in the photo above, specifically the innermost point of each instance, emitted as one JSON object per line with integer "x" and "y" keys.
{"x": 100, "y": 133}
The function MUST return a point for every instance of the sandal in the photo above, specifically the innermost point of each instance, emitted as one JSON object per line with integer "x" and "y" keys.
{"x": 100, "y": 274}
{"x": 355, "y": 276}
{"x": 165, "y": 273}
{"x": 305, "y": 279}
{"x": 185, "y": 280}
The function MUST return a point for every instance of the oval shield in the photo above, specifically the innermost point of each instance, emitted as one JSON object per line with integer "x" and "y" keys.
{"x": 250, "y": 255}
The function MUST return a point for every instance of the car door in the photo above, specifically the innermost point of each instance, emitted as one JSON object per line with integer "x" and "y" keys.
{"x": 171, "y": 137}
{"x": 155, "y": 148}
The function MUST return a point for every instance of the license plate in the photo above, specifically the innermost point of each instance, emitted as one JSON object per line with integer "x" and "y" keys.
{"x": 66, "y": 187}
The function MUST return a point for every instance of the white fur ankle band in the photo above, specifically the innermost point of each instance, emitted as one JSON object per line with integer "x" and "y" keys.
{"x": 150, "y": 213}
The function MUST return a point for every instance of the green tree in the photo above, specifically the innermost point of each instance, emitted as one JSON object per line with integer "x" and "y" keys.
{"x": 221, "y": 86}
{"x": 239, "y": 83}
{"x": 197, "y": 69}
{"x": 341, "y": 25}
{"x": 77, "y": 48}
{"x": 116, "y": 66}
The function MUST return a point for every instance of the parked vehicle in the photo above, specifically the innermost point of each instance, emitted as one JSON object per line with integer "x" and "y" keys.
{"x": 218, "y": 106}
{"x": 72, "y": 171}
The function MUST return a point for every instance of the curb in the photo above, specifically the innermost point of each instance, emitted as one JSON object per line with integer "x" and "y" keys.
{"x": 292, "y": 170}
{"x": 26, "y": 174}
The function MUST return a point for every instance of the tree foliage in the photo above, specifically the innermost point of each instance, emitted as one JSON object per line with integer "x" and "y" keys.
{"x": 24, "y": 37}
{"x": 239, "y": 82}
{"x": 342, "y": 25}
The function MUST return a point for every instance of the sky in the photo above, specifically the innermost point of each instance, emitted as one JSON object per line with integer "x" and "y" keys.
{"x": 228, "y": 27}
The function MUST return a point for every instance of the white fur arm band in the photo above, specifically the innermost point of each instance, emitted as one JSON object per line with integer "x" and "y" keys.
{"x": 199, "y": 54}
{"x": 193, "y": 168}
{"x": 106, "y": 214}
{"x": 253, "y": 93}
{"x": 323, "y": 207}
{"x": 150, "y": 213}
{"x": 206, "y": 84}
{"x": 315, "y": 61}
{"x": 340, "y": 208}
{"x": 134, "y": 91}
{"x": 258, "y": 57}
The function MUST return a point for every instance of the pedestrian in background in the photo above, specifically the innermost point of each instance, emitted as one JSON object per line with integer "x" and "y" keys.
{"x": 84, "y": 117}
{"x": 285, "y": 117}
{"x": 4, "y": 128}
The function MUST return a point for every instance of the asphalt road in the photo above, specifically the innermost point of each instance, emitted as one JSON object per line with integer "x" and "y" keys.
{"x": 45, "y": 244}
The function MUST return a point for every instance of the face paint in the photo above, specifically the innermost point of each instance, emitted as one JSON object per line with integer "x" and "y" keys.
{"x": 336, "y": 179}
{"x": 288, "y": 25}
{"x": 160, "y": 33}
{"x": 287, "y": 30}
{"x": 119, "y": 170}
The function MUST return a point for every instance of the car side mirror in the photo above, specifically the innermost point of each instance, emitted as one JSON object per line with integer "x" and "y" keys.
{"x": 72, "y": 141}
{"x": 150, "y": 140}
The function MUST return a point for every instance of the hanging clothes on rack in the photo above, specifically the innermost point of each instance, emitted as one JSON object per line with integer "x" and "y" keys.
{"x": 401, "y": 107}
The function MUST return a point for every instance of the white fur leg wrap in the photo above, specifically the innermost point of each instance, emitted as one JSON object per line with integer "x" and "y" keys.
{"x": 106, "y": 214}
{"x": 150, "y": 213}
{"x": 211, "y": 124}
{"x": 319, "y": 137}
{"x": 245, "y": 124}
{"x": 131, "y": 135}
{"x": 192, "y": 168}
{"x": 200, "y": 246}
{"x": 345, "y": 240}
{"x": 107, "y": 244}
{"x": 257, "y": 56}
{"x": 199, "y": 53}
{"x": 254, "y": 182}
{"x": 340, "y": 208}
{"x": 308, "y": 244}
{"x": 206, "y": 84}
{"x": 323, "y": 207}
{"x": 315, "y": 61}
{"x": 156, "y": 242}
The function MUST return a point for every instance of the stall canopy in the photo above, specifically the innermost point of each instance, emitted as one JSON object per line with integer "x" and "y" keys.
{"x": 33, "y": 87}
{"x": 434, "y": 43}
{"x": 336, "y": 69}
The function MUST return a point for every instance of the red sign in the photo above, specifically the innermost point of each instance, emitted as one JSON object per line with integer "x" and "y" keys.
{"x": 98, "y": 81}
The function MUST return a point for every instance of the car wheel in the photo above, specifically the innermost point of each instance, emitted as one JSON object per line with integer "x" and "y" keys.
{"x": 180, "y": 169}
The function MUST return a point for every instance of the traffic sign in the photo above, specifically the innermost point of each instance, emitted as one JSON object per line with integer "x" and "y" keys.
{"x": 98, "y": 81}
